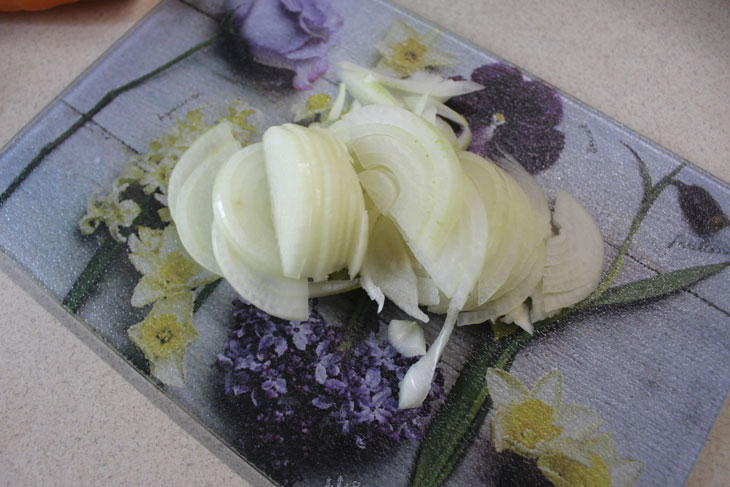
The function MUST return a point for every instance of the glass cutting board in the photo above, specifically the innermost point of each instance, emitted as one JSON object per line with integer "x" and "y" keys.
{"x": 656, "y": 373}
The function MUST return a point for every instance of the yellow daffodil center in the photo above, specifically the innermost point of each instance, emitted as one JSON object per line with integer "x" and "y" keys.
{"x": 499, "y": 119}
{"x": 531, "y": 422}
{"x": 409, "y": 52}
{"x": 318, "y": 102}
{"x": 162, "y": 334}
{"x": 176, "y": 269}
{"x": 576, "y": 474}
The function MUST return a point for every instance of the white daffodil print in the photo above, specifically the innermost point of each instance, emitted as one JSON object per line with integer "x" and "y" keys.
{"x": 404, "y": 51}
{"x": 528, "y": 421}
{"x": 115, "y": 212}
{"x": 572, "y": 463}
{"x": 164, "y": 335}
{"x": 166, "y": 267}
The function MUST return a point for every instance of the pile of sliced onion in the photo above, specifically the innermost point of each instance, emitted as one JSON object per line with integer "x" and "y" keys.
{"x": 386, "y": 196}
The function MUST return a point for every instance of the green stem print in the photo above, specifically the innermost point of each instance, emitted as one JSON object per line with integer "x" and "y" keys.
{"x": 109, "y": 97}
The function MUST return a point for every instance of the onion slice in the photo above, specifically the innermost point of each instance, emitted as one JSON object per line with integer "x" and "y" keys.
{"x": 574, "y": 257}
{"x": 280, "y": 296}
{"x": 203, "y": 147}
{"x": 194, "y": 213}
{"x": 407, "y": 337}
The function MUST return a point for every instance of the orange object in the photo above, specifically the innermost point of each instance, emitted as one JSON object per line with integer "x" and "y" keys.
{"x": 14, "y": 5}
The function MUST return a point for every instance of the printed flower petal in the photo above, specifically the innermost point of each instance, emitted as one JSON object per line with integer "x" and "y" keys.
{"x": 496, "y": 429}
{"x": 572, "y": 463}
{"x": 170, "y": 370}
{"x": 504, "y": 388}
{"x": 145, "y": 292}
{"x": 626, "y": 472}
{"x": 549, "y": 388}
{"x": 404, "y": 51}
{"x": 289, "y": 34}
{"x": 167, "y": 269}
{"x": 338, "y": 393}
{"x": 513, "y": 116}
{"x": 163, "y": 337}
{"x": 578, "y": 421}
{"x": 536, "y": 422}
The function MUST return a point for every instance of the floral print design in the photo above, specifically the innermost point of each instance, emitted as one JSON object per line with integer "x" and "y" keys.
{"x": 290, "y": 34}
{"x": 404, "y": 51}
{"x": 164, "y": 335}
{"x": 528, "y": 421}
{"x": 304, "y": 390}
{"x": 592, "y": 462}
{"x": 537, "y": 424}
{"x": 167, "y": 269}
{"x": 513, "y": 116}
{"x": 116, "y": 213}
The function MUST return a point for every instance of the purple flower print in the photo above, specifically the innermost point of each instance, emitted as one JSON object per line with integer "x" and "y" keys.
{"x": 514, "y": 116}
{"x": 290, "y": 34}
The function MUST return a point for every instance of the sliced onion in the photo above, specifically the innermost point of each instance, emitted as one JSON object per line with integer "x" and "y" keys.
{"x": 387, "y": 270}
{"x": 194, "y": 214}
{"x": 511, "y": 208}
{"x": 339, "y": 104}
{"x": 426, "y": 170}
{"x": 419, "y": 83}
{"x": 277, "y": 295}
{"x": 291, "y": 193}
{"x": 242, "y": 210}
{"x": 316, "y": 201}
{"x": 520, "y": 316}
{"x": 533, "y": 191}
{"x": 203, "y": 147}
{"x": 574, "y": 257}
{"x": 364, "y": 87}
{"x": 332, "y": 287}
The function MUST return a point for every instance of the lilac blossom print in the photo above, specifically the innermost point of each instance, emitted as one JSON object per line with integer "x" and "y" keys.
{"x": 306, "y": 389}
{"x": 289, "y": 34}
{"x": 514, "y": 116}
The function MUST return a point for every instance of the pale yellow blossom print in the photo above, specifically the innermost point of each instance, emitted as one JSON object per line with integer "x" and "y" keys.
{"x": 405, "y": 51}
{"x": 114, "y": 212}
{"x": 315, "y": 105}
{"x": 590, "y": 463}
{"x": 166, "y": 268}
{"x": 164, "y": 335}
{"x": 529, "y": 421}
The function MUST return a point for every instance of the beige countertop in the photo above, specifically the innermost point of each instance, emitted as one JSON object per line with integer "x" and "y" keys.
{"x": 68, "y": 418}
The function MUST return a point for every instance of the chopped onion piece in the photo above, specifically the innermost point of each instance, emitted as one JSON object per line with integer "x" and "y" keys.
{"x": 316, "y": 201}
{"x": 428, "y": 293}
{"x": 428, "y": 175}
{"x": 407, "y": 337}
{"x": 332, "y": 286}
{"x": 417, "y": 382}
{"x": 387, "y": 270}
{"x": 450, "y": 114}
{"x": 419, "y": 83}
{"x": 574, "y": 256}
{"x": 364, "y": 87}
{"x": 242, "y": 210}
{"x": 339, "y": 104}
{"x": 533, "y": 191}
{"x": 520, "y": 316}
